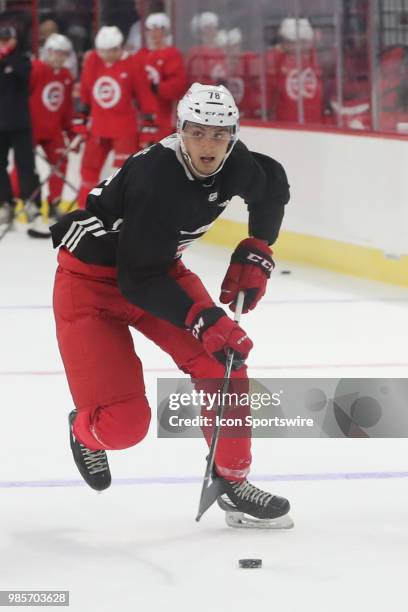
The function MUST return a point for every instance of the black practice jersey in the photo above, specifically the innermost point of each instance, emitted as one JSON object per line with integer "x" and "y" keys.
{"x": 141, "y": 218}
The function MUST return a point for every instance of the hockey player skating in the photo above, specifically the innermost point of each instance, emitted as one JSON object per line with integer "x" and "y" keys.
{"x": 120, "y": 265}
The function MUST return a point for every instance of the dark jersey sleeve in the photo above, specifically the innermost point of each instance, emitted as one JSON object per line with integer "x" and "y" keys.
{"x": 20, "y": 64}
{"x": 148, "y": 243}
{"x": 265, "y": 192}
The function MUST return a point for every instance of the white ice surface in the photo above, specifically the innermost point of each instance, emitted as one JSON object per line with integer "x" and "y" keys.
{"x": 137, "y": 547}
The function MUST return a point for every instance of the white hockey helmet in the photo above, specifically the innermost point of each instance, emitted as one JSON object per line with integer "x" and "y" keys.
{"x": 202, "y": 20}
{"x": 208, "y": 19}
{"x": 209, "y": 105}
{"x": 222, "y": 38}
{"x": 306, "y": 30}
{"x": 235, "y": 36}
{"x": 157, "y": 20}
{"x": 58, "y": 42}
{"x": 108, "y": 37}
{"x": 290, "y": 29}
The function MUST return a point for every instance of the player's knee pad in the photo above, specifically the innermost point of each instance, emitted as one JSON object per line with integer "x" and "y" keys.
{"x": 114, "y": 427}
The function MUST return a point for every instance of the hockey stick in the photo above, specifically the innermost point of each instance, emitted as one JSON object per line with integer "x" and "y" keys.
{"x": 211, "y": 489}
{"x": 55, "y": 169}
{"x": 4, "y": 228}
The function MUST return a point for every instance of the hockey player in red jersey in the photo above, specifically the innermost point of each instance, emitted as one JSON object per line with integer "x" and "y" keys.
{"x": 164, "y": 68}
{"x": 110, "y": 85}
{"x": 120, "y": 265}
{"x": 292, "y": 76}
{"x": 244, "y": 76}
{"x": 51, "y": 109}
{"x": 206, "y": 62}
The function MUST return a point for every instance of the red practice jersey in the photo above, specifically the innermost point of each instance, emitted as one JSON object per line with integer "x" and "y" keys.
{"x": 50, "y": 100}
{"x": 206, "y": 65}
{"x": 169, "y": 64}
{"x": 244, "y": 82}
{"x": 285, "y": 83}
{"x": 110, "y": 90}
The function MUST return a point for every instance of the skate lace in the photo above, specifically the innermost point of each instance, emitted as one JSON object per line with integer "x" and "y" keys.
{"x": 95, "y": 461}
{"x": 247, "y": 491}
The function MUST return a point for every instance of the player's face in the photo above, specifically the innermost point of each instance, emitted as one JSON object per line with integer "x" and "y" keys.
{"x": 156, "y": 38}
{"x": 56, "y": 59}
{"x": 6, "y": 45}
{"x": 110, "y": 55}
{"x": 206, "y": 146}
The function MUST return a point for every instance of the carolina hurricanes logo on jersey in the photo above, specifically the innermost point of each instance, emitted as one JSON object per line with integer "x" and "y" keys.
{"x": 53, "y": 96}
{"x": 106, "y": 91}
{"x": 306, "y": 85}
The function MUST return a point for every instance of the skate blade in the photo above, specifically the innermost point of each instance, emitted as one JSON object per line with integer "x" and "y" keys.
{"x": 243, "y": 521}
{"x": 34, "y": 234}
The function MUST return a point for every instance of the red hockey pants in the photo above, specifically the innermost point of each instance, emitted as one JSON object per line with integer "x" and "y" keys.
{"x": 105, "y": 374}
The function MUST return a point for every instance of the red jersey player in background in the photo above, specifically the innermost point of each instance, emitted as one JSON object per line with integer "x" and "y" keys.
{"x": 206, "y": 62}
{"x": 244, "y": 76}
{"x": 164, "y": 68}
{"x": 287, "y": 80}
{"x": 110, "y": 85}
{"x": 51, "y": 115}
{"x": 51, "y": 109}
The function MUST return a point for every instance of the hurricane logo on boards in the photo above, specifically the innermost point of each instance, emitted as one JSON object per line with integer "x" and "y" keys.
{"x": 306, "y": 84}
{"x": 53, "y": 96}
{"x": 106, "y": 91}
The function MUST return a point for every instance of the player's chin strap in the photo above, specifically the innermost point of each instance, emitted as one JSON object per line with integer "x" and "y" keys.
{"x": 190, "y": 164}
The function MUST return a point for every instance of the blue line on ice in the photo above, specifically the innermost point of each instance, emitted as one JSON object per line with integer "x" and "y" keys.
{"x": 178, "y": 480}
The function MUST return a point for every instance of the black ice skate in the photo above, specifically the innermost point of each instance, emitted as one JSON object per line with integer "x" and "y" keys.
{"x": 265, "y": 510}
{"x": 92, "y": 464}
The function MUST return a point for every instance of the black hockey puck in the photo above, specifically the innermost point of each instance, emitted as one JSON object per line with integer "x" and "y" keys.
{"x": 250, "y": 563}
{"x": 286, "y": 272}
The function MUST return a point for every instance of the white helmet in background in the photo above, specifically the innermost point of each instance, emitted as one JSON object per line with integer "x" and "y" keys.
{"x": 108, "y": 37}
{"x": 222, "y": 38}
{"x": 208, "y": 19}
{"x": 290, "y": 29}
{"x": 157, "y": 20}
{"x": 209, "y": 105}
{"x": 306, "y": 30}
{"x": 235, "y": 36}
{"x": 58, "y": 42}
{"x": 202, "y": 20}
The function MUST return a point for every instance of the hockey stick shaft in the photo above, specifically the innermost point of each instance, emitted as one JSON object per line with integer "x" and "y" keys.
{"x": 205, "y": 504}
{"x": 55, "y": 168}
